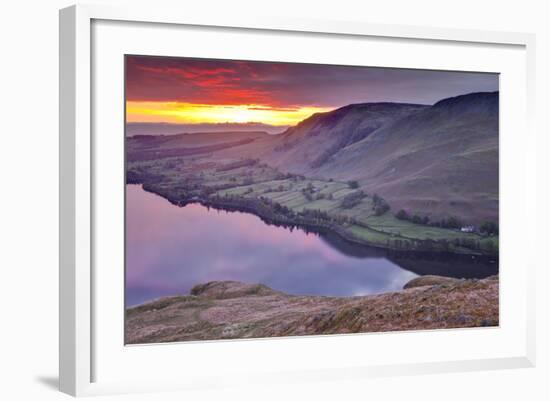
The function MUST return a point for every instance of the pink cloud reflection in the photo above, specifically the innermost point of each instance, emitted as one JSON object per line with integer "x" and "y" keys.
{"x": 170, "y": 249}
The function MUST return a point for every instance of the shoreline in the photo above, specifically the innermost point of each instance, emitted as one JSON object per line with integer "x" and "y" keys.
{"x": 267, "y": 215}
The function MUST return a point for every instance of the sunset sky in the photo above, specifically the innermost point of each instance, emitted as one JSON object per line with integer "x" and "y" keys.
{"x": 203, "y": 91}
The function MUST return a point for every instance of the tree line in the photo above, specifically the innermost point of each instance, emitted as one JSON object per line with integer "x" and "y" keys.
{"x": 487, "y": 228}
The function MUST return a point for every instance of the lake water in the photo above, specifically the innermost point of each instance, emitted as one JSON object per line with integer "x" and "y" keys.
{"x": 169, "y": 249}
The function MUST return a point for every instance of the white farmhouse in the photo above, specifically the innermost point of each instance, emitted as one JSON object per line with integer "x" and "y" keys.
{"x": 468, "y": 229}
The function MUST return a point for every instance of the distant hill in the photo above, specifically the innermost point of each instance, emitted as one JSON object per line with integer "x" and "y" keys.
{"x": 439, "y": 161}
{"x": 136, "y": 128}
{"x": 148, "y": 147}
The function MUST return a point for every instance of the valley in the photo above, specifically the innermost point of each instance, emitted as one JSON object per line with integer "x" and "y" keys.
{"x": 395, "y": 176}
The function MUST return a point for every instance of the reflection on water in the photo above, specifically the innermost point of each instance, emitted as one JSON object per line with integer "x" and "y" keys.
{"x": 169, "y": 249}
{"x": 422, "y": 263}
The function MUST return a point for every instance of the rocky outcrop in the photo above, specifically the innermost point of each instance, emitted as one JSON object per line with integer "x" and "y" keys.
{"x": 429, "y": 279}
{"x": 231, "y": 289}
{"x": 230, "y": 309}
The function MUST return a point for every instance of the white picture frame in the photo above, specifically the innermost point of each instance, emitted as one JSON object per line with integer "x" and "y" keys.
{"x": 79, "y": 154}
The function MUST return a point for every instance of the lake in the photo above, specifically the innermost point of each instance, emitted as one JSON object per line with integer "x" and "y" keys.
{"x": 169, "y": 249}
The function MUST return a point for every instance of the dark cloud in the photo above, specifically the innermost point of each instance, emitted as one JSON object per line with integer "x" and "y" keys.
{"x": 288, "y": 85}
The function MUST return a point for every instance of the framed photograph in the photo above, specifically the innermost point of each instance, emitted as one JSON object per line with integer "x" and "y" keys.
{"x": 264, "y": 200}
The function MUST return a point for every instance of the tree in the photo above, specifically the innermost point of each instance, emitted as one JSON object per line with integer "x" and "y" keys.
{"x": 402, "y": 215}
{"x": 444, "y": 244}
{"x": 379, "y": 205}
{"x": 489, "y": 228}
{"x": 381, "y": 208}
{"x": 451, "y": 222}
{"x": 352, "y": 199}
{"x": 490, "y": 246}
{"x": 353, "y": 184}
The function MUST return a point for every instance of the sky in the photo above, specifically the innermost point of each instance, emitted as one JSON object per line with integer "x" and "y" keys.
{"x": 204, "y": 91}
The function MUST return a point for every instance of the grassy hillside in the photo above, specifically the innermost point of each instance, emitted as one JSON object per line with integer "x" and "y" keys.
{"x": 310, "y": 144}
{"x": 230, "y": 309}
{"x": 440, "y": 161}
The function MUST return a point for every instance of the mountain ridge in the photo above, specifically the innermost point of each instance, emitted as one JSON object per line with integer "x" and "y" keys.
{"x": 438, "y": 160}
{"x": 313, "y": 141}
